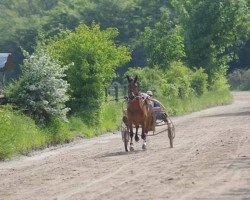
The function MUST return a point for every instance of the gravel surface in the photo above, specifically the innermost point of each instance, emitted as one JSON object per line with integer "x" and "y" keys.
{"x": 210, "y": 160}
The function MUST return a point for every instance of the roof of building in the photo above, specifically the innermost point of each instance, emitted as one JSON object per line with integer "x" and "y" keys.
{"x": 3, "y": 59}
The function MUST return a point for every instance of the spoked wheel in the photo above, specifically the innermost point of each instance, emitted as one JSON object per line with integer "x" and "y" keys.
{"x": 171, "y": 132}
{"x": 125, "y": 136}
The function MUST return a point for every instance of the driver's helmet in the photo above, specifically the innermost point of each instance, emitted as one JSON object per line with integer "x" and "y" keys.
{"x": 149, "y": 93}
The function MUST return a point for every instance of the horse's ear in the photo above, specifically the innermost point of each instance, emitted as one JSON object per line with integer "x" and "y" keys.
{"x": 128, "y": 77}
{"x": 136, "y": 78}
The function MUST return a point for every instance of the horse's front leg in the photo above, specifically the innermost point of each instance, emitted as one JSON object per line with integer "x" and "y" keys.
{"x": 143, "y": 136}
{"x": 131, "y": 148}
{"x": 136, "y": 133}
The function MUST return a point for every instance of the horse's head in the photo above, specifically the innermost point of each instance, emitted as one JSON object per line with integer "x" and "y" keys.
{"x": 133, "y": 87}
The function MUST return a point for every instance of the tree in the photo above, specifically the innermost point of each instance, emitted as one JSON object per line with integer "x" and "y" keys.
{"x": 22, "y": 20}
{"x": 95, "y": 57}
{"x": 213, "y": 31}
{"x": 164, "y": 43}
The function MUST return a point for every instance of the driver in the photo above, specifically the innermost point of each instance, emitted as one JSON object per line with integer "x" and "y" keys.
{"x": 160, "y": 115}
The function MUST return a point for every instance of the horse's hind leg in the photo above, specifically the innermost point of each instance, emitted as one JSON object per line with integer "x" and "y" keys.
{"x": 136, "y": 134}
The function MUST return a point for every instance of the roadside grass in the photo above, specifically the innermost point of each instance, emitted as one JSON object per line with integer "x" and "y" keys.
{"x": 112, "y": 112}
{"x": 196, "y": 103}
{"x": 110, "y": 121}
{"x": 19, "y": 134}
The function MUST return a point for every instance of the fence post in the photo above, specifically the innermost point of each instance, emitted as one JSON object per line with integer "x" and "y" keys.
{"x": 116, "y": 91}
{"x": 124, "y": 90}
{"x": 106, "y": 94}
{"x": 4, "y": 78}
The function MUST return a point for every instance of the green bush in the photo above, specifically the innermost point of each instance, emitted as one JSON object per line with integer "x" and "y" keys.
{"x": 150, "y": 79}
{"x": 41, "y": 89}
{"x": 179, "y": 78}
{"x": 177, "y": 81}
{"x": 96, "y": 58}
{"x": 199, "y": 81}
{"x": 219, "y": 81}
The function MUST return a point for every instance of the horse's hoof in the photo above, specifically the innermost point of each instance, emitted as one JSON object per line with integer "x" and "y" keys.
{"x": 137, "y": 138}
{"x": 131, "y": 148}
{"x": 144, "y": 146}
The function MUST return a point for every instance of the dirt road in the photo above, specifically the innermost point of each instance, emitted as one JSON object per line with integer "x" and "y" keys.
{"x": 210, "y": 160}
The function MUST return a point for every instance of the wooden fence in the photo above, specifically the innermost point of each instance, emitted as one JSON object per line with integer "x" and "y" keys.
{"x": 116, "y": 91}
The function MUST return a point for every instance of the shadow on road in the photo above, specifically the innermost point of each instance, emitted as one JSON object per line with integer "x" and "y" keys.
{"x": 120, "y": 153}
{"x": 230, "y": 114}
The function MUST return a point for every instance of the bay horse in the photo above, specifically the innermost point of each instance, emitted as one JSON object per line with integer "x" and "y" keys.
{"x": 138, "y": 112}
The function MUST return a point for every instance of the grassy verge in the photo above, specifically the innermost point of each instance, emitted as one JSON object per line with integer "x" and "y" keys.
{"x": 110, "y": 121}
{"x": 112, "y": 112}
{"x": 194, "y": 103}
{"x": 19, "y": 134}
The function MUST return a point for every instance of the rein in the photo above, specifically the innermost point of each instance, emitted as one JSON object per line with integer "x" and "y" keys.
{"x": 139, "y": 97}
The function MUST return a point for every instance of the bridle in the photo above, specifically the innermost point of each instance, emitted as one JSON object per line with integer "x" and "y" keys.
{"x": 134, "y": 94}
{"x": 133, "y": 91}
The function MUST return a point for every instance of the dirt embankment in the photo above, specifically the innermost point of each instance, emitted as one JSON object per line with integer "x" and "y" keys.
{"x": 210, "y": 160}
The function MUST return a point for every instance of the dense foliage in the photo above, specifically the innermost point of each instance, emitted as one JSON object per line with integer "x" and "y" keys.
{"x": 164, "y": 43}
{"x": 41, "y": 90}
{"x": 214, "y": 31}
{"x": 210, "y": 26}
{"x": 21, "y": 21}
{"x": 95, "y": 57}
{"x": 177, "y": 82}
